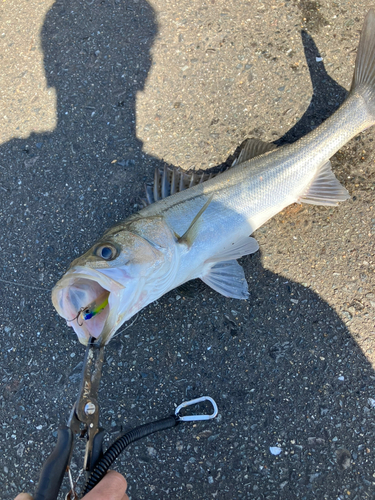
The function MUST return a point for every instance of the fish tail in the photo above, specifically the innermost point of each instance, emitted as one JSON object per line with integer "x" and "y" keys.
{"x": 363, "y": 83}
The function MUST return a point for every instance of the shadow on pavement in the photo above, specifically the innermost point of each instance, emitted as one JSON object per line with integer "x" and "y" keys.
{"x": 327, "y": 96}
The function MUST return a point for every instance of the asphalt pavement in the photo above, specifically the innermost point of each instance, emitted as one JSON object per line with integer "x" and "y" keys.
{"x": 95, "y": 94}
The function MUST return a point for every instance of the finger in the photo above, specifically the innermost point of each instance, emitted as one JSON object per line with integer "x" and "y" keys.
{"x": 23, "y": 496}
{"x": 111, "y": 487}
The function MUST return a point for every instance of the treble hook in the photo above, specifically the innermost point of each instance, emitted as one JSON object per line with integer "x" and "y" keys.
{"x": 76, "y": 317}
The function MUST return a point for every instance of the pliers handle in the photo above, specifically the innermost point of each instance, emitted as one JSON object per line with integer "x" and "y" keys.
{"x": 54, "y": 468}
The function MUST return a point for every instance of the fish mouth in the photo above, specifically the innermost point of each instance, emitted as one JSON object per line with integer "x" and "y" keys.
{"x": 89, "y": 301}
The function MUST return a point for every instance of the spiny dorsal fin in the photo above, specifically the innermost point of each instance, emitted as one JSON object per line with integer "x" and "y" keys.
{"x": 170, "y": 180}
{"x": 250, "y": 148}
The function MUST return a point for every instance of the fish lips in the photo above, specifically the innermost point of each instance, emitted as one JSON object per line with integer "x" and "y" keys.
{"x": 83, "y": 285}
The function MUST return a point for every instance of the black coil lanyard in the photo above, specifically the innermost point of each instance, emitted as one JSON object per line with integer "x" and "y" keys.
{"x": 140, "y": 432}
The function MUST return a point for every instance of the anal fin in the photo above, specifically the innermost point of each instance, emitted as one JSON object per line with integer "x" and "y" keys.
{"x": 325, "y": 189}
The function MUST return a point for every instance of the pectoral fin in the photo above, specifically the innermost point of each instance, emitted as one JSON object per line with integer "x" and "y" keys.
{"x": 227, "y": 278}
{"x": 325, "y": 189}
{"x": 189, "y": 236}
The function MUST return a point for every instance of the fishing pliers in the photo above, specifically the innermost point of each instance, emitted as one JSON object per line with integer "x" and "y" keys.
{"x": 84, "y": 421}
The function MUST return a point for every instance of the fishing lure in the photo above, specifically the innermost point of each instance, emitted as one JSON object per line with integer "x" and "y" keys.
{"x": 93, "y": 308}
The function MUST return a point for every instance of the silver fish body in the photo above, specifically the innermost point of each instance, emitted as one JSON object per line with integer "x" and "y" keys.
{"x": 245, "y": 197}
{"x": 201, "y": 231}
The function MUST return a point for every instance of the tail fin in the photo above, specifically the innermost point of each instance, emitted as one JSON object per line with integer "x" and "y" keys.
{"x": 364, "y": 72}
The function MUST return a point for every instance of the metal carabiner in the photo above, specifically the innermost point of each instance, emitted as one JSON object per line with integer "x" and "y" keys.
{"x": 191, "y": 418}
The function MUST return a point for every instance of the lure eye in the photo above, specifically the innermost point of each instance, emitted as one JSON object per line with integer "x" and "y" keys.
{"x": 106, "y": 252}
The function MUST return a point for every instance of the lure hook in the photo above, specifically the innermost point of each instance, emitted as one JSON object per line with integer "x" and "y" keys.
{"x": 76, "y": 317}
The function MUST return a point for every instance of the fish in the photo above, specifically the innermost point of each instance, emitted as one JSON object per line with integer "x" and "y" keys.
{"x": 194, "y": 226}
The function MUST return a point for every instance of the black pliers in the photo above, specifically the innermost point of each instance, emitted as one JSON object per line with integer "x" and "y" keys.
{"x": 83, "y": 420}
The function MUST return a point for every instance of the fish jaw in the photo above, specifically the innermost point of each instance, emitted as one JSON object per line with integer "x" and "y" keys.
{"x": 82, "y": 285}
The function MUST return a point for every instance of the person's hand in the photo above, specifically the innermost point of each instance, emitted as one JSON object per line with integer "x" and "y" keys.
{"x": 111, "y": 487}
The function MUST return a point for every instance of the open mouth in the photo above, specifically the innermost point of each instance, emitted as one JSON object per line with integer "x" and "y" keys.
{"x": 86, "y": 298}
{"x": 88, "y": 316}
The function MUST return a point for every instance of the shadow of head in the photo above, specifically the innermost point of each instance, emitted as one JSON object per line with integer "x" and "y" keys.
{"x": 98, "y": 48}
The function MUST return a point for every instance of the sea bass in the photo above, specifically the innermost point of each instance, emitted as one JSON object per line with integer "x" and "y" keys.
{"x": 200, "y": 232}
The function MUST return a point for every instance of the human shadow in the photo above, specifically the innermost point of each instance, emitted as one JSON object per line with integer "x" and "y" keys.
{"x": 283, "y": 368}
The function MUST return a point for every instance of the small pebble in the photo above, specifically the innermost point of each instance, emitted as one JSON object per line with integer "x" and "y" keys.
{"x": 343, "y": 458}
{"x": 151, "y": 451}
{"x": 275, "y": 450}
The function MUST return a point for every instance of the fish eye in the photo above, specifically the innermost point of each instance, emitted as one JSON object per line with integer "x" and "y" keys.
{"x": 106, "y": 252}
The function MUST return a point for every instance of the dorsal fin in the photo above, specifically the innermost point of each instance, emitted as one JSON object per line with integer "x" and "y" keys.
{"x": 250, "y": 148}
{"x": 170, "y": 180}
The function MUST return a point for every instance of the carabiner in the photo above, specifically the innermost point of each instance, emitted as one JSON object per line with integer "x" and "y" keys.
{"x": 191, "y": 418}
